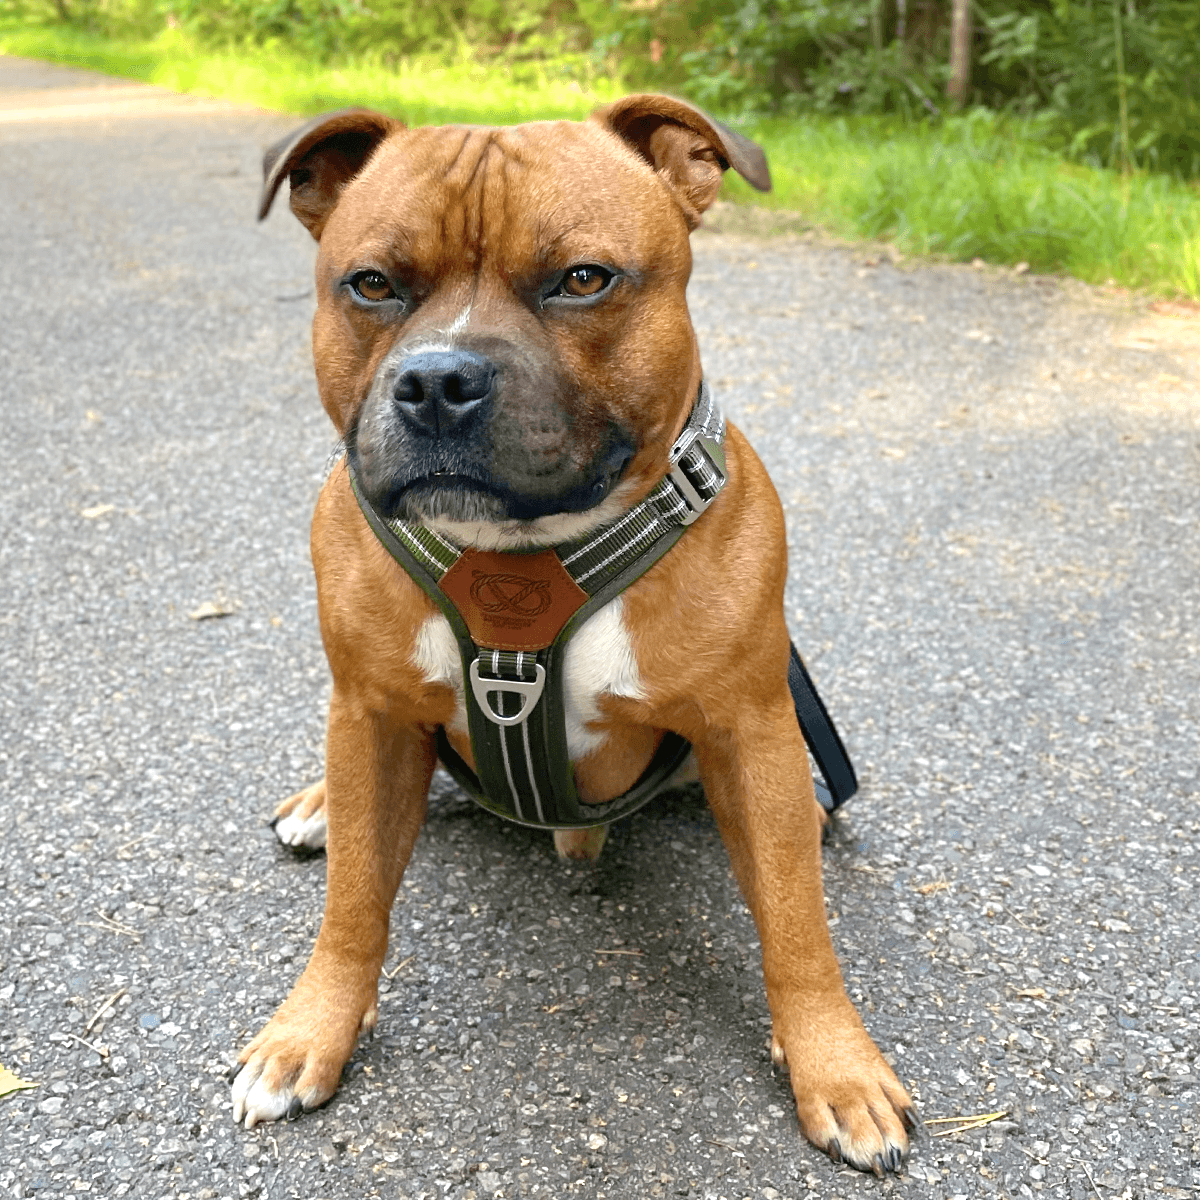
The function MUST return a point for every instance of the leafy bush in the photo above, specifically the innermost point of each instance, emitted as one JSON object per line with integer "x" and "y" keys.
{"x": 318, "y": 26}
{"x": 801, "y": 55}
{"x": 1064, "y": 58}
{"x": 386, "y": 29}
{"x": 1058, "y": 58}
{"x": 1113, "y": 82}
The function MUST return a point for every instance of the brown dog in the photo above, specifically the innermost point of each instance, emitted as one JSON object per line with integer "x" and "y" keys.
{"x": 502, "y": 339}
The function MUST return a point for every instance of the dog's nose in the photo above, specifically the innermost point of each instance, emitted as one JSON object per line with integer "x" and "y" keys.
{"x": 438, "y": 390}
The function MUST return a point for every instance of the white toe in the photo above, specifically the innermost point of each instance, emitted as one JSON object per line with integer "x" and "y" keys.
{"x": 306, "y": 832}
{"x": 254, "y": 1102}
{"x": 242, "y": 1083}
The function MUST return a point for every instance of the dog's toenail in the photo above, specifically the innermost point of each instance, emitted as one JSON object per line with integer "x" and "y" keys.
{"x": 835, "y": 1150}
{"x": 877, "y": 1165}
{"x": 895, "y": 1159}
{"x": 295, "y": 1109}
{"x": 233, "y": 1072}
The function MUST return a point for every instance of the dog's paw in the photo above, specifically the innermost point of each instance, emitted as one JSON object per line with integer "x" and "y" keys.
{"x": 849, "y": 1101}
{"x": 583, "y": 845}
{"x": 295, "y": 1063}
{"x": 299, "y": 821}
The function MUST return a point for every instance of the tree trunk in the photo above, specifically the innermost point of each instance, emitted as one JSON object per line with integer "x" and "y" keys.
{"x": 960, "y": 52}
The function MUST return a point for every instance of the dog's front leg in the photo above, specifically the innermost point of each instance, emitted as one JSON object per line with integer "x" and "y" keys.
{"x": 377, "y": 780}
{"x": 757, "y": 780}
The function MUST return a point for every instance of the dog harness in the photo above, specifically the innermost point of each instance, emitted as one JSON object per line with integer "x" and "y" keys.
{"x": 513, "y": 613}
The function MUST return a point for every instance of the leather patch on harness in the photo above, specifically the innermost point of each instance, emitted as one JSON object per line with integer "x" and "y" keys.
{"x": 512, "y": 601}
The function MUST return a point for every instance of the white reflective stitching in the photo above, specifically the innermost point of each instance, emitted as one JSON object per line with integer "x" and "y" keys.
{"x": 657, "y": 524}
{"x": 609, "y": 532}
{"x": 456, "y": 550}
{"x": 537, "y": 799}
{"x": 408, "y": 532}
{"x": 512, "y": 787}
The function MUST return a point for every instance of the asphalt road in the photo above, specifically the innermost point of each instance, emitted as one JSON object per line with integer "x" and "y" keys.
{"x": 993, "y": 490}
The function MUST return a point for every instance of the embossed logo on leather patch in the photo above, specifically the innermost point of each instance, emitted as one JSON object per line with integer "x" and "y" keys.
{"x": 512, "y": 601}
{"x": 511, "y": 595}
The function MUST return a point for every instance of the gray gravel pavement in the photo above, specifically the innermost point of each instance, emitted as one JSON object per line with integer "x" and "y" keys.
{"x": 992, "y": 490}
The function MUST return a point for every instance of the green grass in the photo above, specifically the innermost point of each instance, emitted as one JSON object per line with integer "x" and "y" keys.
{"x": 977, "y": 187}
{"x": 420, "y": 93}
{"x": 973, "y": 186}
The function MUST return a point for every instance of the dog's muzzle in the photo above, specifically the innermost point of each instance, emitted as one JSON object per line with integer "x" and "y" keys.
{"x": 460, "y": 434}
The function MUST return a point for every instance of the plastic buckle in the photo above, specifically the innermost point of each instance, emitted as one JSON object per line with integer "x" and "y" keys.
{"x": 712, "y": 450}
{"x": 530, "y": 690}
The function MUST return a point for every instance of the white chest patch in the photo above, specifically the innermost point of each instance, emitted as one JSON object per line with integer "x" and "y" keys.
{"x": 599, "y": 661}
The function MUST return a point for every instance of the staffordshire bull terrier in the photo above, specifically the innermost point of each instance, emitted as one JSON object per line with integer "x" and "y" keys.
{"x": 502, "y": 342}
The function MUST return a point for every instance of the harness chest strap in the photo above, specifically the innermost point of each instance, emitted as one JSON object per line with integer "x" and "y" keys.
{"x": 513, "y": 613}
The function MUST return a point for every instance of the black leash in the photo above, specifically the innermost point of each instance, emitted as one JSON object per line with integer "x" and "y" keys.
{"x": 838, "y": 781}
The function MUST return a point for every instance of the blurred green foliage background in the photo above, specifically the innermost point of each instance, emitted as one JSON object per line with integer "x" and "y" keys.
{"x": 1060, "y": 65}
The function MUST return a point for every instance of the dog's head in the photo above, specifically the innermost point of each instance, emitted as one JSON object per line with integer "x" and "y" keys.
{"x": 501, "y": 332}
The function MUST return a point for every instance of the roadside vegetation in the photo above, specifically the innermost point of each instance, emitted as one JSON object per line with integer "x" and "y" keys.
{"x": 1062, "y": 135}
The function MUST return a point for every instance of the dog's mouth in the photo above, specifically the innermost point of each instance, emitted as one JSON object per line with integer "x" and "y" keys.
{"x": 452, "y": 494}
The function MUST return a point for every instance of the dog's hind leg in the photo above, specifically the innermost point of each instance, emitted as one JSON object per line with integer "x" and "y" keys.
{"x": 299, "y": 820}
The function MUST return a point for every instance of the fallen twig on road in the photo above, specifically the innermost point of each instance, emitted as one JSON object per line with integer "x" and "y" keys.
{"x": 967, "y": 1123}
{"x": 1091, "y": 1181}
{"x": 102, "y": 1051}
{"x": 108, "y": 1003}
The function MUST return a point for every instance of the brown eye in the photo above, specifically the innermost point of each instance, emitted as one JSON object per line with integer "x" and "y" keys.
{"x": 371, "y": 285}
{"x": 586, "y": 281}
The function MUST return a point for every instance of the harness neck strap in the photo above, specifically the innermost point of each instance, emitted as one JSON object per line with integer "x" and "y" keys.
{"x": 513, "y": 613}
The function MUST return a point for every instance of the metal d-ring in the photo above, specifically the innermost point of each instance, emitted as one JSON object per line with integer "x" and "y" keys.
{"x": 529, "y": 690}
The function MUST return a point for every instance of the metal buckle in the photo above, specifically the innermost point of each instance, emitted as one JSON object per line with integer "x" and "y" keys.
{"x": 531, "y": 690}
{"x": 713, "y": 451}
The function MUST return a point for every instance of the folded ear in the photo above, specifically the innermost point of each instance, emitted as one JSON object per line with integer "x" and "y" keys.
{"x": 319, "y": 158}
{"x": 688, "y": 148}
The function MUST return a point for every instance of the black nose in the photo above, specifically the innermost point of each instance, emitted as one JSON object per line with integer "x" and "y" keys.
{"x": 437, "y": 390}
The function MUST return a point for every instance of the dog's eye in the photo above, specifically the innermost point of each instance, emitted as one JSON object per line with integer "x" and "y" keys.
{"x": 586, "y": 281}
{"x": 371, "y": 285}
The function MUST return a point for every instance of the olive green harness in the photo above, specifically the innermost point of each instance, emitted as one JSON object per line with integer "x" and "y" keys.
{"x": 513, "y": 614}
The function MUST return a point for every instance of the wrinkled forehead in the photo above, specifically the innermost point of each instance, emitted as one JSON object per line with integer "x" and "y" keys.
{"x": 549, "y": 193}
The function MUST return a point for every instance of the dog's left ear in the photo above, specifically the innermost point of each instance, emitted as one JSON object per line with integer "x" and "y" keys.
{"x": 319, "y": 159}
{"x": 687, "y": 147}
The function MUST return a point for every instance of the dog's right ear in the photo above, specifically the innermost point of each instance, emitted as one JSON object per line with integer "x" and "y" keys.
{"x": 687, "y": 148}
{"x": 319, "y": 159}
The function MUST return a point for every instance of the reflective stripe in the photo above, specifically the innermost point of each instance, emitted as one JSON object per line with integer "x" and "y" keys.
{"x": 537, "y": 799}
{"x": 512, "y": 787}
{"x": 629, "y": 516}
